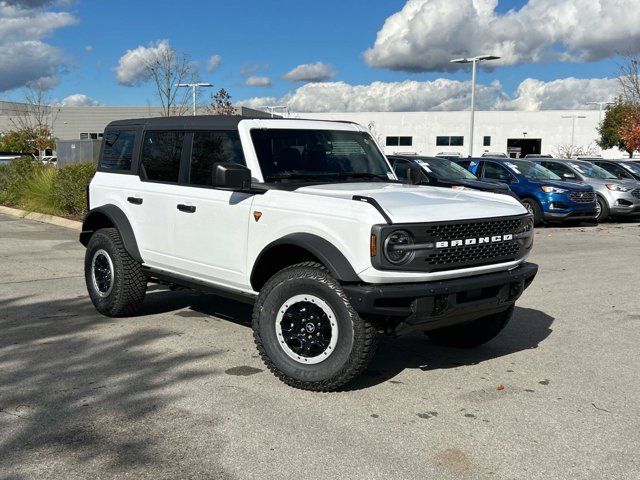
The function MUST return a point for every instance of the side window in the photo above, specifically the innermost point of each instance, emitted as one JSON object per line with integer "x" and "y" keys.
{"x": 209, "y": 148}
{"x": 493, "y": 171}
{"x": 161, "y": 152}
{"x": 118, "y": 150}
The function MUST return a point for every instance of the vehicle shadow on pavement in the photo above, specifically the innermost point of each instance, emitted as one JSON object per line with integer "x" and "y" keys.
{"x": 526, "y": 330}
{"x": 79, "y": 398}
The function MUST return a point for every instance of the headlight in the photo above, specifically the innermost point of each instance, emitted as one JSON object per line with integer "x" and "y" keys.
{"x": 548, "y": 189}
{"x": 393, "y": 247}
{"x": 617, "y": 188}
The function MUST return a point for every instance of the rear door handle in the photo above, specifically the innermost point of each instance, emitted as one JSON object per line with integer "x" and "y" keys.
{"x": 186, "y": 208}
{"x": 134, "y": 200}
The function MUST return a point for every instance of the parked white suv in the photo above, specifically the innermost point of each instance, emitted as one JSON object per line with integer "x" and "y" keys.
{"x": 306, "y": 220}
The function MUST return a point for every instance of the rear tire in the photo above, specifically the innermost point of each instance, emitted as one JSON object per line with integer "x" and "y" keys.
{"x": 115, "y": 281}
{"x": 602, "y": 209}
{"x": 306, "y": 331}
{"x": 534, "y": 209}
{"x": 472, "y": 334}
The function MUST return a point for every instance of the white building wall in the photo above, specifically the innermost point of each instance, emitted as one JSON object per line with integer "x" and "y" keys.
{"x": 424, "y": 127}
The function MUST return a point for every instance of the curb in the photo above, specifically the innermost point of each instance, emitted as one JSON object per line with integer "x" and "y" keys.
{"x": 42, "y": 217}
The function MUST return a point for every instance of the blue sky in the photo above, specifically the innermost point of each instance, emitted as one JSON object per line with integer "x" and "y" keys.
{"x": 271, "y": 36}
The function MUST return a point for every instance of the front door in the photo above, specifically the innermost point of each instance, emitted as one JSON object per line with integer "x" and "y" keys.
{"x": 211, "y": 225}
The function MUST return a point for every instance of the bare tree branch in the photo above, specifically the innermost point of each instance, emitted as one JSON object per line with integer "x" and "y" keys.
{"x": 629, "y": 78}
{"x": 168, "y": 69}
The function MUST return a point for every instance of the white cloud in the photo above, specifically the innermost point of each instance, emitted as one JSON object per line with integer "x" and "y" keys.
{"x": 77, "y": 100}
{"x": 213, "y": 63}
{"x": 426, "y": 34}
{"x": 440, "y": 94}
{"x": 132, "y": 66}
{"x": 311, "y": 72}
{"x": 24, "y": 58}
{"x": 258, "y": 82}
{"x": 88, "y": 48}
{"x": 565, "y": 93}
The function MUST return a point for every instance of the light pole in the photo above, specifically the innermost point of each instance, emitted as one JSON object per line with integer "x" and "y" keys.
{"x": 573, "y": 125}
{"x": 601, "y": 105}
{"x": 473, "y": 61}
{"x": 273, "y": 108}
{"x": 194, "y": 86}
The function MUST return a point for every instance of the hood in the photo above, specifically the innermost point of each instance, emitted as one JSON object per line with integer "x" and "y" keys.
{"x": 567, "y": 185}
{"x": 415, "y": 203}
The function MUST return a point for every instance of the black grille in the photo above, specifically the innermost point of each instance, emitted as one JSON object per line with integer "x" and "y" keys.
{"x": 458, "y": 257}
{"x": 582, "y": 197}
{"x": 473, "y": 230}
{"x": 636, "y": 192}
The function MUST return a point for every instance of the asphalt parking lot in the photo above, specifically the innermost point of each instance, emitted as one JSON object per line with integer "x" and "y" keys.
{"x": 179, "y": 392}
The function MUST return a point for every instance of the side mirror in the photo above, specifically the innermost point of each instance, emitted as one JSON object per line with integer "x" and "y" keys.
{"x": 231, "y": 176}
{"x": 568, "y": 176}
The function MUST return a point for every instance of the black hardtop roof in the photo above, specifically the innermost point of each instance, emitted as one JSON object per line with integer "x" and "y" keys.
{"x": 224, "y": 122}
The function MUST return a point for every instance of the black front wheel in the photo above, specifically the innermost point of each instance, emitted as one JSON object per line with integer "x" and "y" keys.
{"x": 306, "y": 331}
{"x": 115, "y": 281}
{"x": 474, "y": 333}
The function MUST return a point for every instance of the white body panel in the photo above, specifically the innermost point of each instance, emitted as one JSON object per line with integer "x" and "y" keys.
{"x": 220, "y": 242}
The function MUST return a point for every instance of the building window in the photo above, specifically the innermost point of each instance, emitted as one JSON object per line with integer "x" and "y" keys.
{"x": 486, "y": 141}
{"x": 90, "y": 135}
{"x": 452, "y": 141}
{"x": 399, "y": 141}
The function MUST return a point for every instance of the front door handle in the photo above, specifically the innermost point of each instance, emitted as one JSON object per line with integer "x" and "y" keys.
{"x": 186, "y": 208}
{"x": 134, "y": 200}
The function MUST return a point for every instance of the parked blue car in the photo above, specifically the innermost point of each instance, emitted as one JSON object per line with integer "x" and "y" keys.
{"x": 540, "y": 190}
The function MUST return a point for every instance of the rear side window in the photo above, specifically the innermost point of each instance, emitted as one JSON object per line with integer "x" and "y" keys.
{"x": 209, "y": 148}
{"x": 161, "y": 152}
{"x": 118, "y": 150}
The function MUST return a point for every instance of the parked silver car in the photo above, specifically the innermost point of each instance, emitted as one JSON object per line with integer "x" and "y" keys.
{"x": 614, "y": 197}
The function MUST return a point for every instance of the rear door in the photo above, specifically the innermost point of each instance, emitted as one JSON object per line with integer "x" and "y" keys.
{"x": 211, "y": 225}
{"x": 153, "y": 204}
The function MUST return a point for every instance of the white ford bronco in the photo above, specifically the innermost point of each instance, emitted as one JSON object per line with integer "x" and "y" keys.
{"x": 306, "y": 220}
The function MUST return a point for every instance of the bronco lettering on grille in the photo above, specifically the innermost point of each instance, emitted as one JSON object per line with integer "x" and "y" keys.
{"x": 474, "y": 241}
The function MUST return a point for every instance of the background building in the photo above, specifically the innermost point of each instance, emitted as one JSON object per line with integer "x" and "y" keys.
{"x": 426, "y": 133}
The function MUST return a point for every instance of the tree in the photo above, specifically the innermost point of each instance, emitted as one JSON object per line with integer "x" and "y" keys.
{"x": 221, "y": 103}
{"x": 615, "y": 117}
{"x": 630, "y": 132}
{"x": 570, "y": 151}
{"x": 167, "y": 69}
{"x": 629, "y": 78}
{"x": 33, "y": 123}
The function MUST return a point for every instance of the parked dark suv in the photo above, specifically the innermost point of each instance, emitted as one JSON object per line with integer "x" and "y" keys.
{"x": 440, "y": 172}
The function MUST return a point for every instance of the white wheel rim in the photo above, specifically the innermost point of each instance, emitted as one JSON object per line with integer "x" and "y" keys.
{"x": 102, "y": 279}
{"x": 332, "y": 326}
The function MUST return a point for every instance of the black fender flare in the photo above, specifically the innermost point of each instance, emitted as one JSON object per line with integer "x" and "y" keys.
{"x": 119, "y": 219}
{"x": 326, "y": 252}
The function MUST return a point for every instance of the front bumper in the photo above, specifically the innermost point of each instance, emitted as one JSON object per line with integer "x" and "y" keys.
{"x": 623, "y": 203}
{"x": 571, "y": 215}
{"x": 427, "y": 306}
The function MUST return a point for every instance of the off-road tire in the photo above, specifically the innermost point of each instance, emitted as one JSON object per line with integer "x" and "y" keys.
{"x": 356, "y": 340}
{"x": 533, "y": 208}
{"x": 129, "y": 281}
{"x": 604, "y": 209}
{"x": 471, "y": 334}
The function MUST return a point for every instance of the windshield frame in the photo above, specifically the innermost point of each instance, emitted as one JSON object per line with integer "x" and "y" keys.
{"x": 370, "y": 150}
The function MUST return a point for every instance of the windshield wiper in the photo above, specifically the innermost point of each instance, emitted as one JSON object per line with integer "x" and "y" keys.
{"x": 365, "y": 175}
{"x": 299, "y": 176}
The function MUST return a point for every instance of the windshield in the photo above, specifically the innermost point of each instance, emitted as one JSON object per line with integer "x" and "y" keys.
{"x": 444, "y": 169}
{"x": 590, "y": 170}
{"x": 531, "y": 171}
{"x": 313, "y": 155}
{"x": 631, "y": 167}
